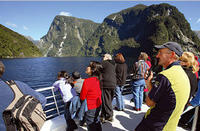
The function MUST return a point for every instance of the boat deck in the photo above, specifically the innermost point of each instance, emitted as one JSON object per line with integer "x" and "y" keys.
{"x": 125, "y": 120}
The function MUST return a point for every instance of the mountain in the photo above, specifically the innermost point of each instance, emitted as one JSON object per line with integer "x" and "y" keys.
{"x": 32, "y": 40}
{"x": 197, "y": 33}
{"x": 13, "y": 45}
{"x": 139, "y": 28}
{"x": 66, "y": 36}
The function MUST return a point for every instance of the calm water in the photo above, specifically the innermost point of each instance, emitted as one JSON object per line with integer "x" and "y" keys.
{"x": 42, "y": 72}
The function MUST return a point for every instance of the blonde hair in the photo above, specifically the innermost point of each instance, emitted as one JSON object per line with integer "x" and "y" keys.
{"x": 189, "y": 59}
{"x": 143, "y": 56}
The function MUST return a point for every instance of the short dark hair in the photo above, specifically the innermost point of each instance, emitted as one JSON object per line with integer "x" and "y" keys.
{"x": 96, "y": 68}
{"x": 63, "y": 74}
{"x": 2, "y": 68}
{"x": 76, "y": 75}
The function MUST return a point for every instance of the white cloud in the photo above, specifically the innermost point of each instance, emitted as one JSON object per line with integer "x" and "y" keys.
{"x": 198, "y": 21}
{"x": 25, "y": 28}
{"x": 11, "y": 24}
{"x": 65, "y": 13}
{"x": 190, "y": 19}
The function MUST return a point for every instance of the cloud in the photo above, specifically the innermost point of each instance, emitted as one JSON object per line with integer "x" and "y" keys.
{"x": 190, "y": 19}
{"x": 11, "y": 24}
{"x": 65, "y": 13}
{"x": 198, "y": 21}
{"x": 25, "y": 28}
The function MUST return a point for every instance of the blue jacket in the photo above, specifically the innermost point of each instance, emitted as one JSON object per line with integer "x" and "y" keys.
{"x": 7, "y": 95}
{"x": 75, "y": 106}
{"x": 196, "y": 100}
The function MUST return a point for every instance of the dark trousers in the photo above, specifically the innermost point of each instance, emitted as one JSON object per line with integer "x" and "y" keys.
{"x": 187, "y": 119}
{"x": 107, "y": 97}
{"x": 71, "y": 125}
{"x": 92, "y": 119}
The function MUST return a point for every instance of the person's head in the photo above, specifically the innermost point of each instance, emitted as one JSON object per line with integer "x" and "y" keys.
{"x": 94, "y": 69}
{"x": 76, "y": 75}
{"x": 63, "y": 74}
{"x": 2, "y": 68}
{"x": 168, "y": 53}
{"x": 107, "y": 57}
{"x": 143, "y": 56}
{"x": 119, "y": 58}
{"x": 188, "y": 59}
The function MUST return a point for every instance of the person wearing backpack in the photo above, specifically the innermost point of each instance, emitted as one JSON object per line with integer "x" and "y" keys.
{"x": 7, "y": 96}
{"x": 139, "y": 69}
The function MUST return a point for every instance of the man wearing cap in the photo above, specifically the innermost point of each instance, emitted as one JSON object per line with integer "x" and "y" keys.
{"x": 168, "y": 94}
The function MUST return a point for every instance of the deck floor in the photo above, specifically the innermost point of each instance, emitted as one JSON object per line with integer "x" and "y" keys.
{"x": 125, "y": 120}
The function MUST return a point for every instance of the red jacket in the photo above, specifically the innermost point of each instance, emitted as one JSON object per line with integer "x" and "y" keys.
{"x": 91, "y": 92}
{"x": 196, "y": 73}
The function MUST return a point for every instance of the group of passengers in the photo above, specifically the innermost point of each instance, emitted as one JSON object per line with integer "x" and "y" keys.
{"x": 168, "y": 92}
{"x": 96, "y": 92}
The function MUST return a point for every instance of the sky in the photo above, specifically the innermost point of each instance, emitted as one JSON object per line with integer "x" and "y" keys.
{"x": 33, "y": 18}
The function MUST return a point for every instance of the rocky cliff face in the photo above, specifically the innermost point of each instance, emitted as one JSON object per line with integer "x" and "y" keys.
{"x": 129, "y": 31}
{"x": 66, "y": 36}
{"x": 197, "y": 33}
{"x": 140, "y": 28}
{"x": 14, "y": 45}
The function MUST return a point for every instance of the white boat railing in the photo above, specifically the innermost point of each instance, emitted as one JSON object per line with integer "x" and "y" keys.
{"x": 52, "y": 109}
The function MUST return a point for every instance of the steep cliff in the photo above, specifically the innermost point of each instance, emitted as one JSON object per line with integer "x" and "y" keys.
{"x": 66, "y": 36}
{"x": 14, "y": 45}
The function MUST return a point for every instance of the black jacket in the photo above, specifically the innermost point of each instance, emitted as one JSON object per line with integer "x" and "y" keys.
{"x": 193, "y": 80}
{"x": 121, "y": 73}
{"x": 108, "y": 75}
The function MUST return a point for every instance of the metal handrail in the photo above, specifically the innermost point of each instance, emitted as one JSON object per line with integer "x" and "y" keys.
{"x": 195, "y": 118}
{"x": 58, "y": 108}
{"x": 54, "y": 102}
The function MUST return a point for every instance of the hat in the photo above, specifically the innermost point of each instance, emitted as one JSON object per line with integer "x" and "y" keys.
{"x": 173, "y": 46}
{"x": 76, "y": 75}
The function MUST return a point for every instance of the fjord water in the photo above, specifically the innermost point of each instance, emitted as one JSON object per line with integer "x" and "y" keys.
{"x": 42, "y": 72}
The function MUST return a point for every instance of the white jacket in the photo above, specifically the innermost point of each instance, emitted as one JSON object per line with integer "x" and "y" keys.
{"x": 65, "y": 89}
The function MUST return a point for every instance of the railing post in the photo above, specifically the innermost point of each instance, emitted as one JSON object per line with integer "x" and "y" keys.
{"x": 55, "y": 101}
{"x": 195, "y": 118}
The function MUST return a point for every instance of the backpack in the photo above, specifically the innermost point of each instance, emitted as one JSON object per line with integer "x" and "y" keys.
{"x": 139, "y": 70}
{"x": 24, "y": 113}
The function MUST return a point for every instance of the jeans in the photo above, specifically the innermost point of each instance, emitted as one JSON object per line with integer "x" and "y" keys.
{"x": 92, "y": 119}
{"x": 138, "y": 88}
{"x": 119, "y": 97}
